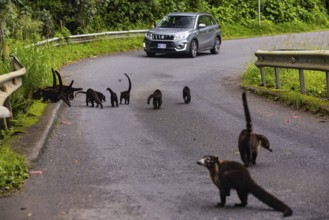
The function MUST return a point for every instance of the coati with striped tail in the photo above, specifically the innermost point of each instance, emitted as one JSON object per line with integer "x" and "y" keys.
{"x": 187, "y": 94}
{"x": 93, "y": 96}
{"x": 227, "y": 175}
{"x": 114, "y": 98}
{"x": 53, "y": 93}
{"x": 250, "y": 142}
{"x": 157, "y": 99}
{"x": 126, "y": 94}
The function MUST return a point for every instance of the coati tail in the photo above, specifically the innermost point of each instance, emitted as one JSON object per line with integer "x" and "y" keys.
{"x": 54, "y": 77}
{"x": 129, "y": 87}
{"x": 269, "y": 199}
{"x": 149, "y": 99}
{"x": 82, "y": 92}
{"x": 246, "y": 112}
{"x": 60, "y": 83}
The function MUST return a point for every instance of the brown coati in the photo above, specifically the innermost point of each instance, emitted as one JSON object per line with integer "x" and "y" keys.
{"x": 68, "y": 91}
{"x": 53, "y": 93}
{"x": 227, "y": 175}
{"x": 93, "y": 96}
{"x": 157, "y": 99}
{"x": 126, "y": 94}
{"x": 186, "y": 94}
{"x": 250, "y": 142}
{"x": 114, "y": 98}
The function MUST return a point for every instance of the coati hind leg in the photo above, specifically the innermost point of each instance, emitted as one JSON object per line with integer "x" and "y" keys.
{"x": 243, "y": 196}
{"x": 254, "y": 157}
{"x": 245, "y": 155}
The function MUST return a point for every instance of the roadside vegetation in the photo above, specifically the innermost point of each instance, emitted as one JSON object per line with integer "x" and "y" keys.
{"x": 24, "y": 22}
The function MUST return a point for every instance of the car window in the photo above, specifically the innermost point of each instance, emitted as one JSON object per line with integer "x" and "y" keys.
{"x": 200, "y": 20}
{"x": 207, "y": 20}
{"x": 177, "y": 22}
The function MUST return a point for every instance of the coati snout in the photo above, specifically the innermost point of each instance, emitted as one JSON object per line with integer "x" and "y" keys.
{"x": 207, "y": 161}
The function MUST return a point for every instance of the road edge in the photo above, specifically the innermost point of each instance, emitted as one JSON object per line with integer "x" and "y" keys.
{"x": 32, "y": 141}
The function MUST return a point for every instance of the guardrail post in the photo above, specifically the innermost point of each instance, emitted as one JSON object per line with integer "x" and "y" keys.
{"x": 302, "y": 81}
{"x": 277, "y": 78}
{"x": 327, "y": 82}
{"x": 262, "y": 74}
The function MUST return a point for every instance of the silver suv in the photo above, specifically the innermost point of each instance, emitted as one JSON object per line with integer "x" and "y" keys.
{"x": 187, "y": 33}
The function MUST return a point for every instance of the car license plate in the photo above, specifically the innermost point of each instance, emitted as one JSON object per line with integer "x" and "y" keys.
{"x": 162, "y": 46}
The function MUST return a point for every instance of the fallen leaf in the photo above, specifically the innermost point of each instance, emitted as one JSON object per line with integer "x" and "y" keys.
{"x": 65, "y": 122}
{"x": 36, "y": 172}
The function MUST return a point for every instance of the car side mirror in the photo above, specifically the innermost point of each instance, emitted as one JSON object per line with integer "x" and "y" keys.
{"x": 202, "y": 25}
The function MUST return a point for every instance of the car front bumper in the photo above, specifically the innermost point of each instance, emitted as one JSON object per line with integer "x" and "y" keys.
{"x": 154, "y": 46}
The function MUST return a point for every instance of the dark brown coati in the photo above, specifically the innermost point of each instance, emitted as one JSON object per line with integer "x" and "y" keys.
{"x": 92, "y": 96}
{"x": 68, "y": 91}
{"x": 157, "y": 99}
{"x": 114, "y": 98}
{"x": 227, "y": 175}
{"x": 53, "y": 93}
{"x": 187, "y": 94}
{"x": 126, "y": 94}
{"x": 250, "y": 142}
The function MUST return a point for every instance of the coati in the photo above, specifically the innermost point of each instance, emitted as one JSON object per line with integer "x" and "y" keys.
{"x": 186, "y": 94}
{"x": 93, "y": 96}
{"x": 250, "y": 142}
{"x": 114, "y": 98}
{"x": 68, "y": 90}
{"x": 54, "y": 93}
{"x": 126, "y": 94}
{"x": 157, "y": 99}
{"x": 227, "y": 175}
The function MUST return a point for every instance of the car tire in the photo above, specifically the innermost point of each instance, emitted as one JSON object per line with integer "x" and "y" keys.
{"x": 193, "y": 49}
{"x": 216, "y": 48}
{"x": 150, "y": 54}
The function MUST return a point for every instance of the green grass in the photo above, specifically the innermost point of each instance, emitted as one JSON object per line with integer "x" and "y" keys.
{"x": 13, "y": 171}
{"x": 233, "y": 31}
{"x": 315, "y": 99}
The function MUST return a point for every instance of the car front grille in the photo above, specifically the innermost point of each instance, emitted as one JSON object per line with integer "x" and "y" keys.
{"x": 163, "y": 37}
{"x": 168, "y": 44}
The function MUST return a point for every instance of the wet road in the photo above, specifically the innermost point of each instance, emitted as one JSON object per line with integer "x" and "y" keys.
{"x": 133, "y": 162}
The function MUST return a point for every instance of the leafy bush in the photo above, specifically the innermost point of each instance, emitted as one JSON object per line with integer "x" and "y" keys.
{"x": 13, "y": 171}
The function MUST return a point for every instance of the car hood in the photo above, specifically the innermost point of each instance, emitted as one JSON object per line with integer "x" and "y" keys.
{"x": 169, "y": 31}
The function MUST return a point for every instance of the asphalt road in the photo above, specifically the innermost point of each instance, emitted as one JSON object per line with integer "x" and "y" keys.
{"x": 134, "y": 162}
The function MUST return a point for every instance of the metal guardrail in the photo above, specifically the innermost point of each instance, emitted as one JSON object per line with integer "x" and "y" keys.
{"x": 84, "y": 38}
{"x": 295, "y": 59}
{"x": 9, "y": 83}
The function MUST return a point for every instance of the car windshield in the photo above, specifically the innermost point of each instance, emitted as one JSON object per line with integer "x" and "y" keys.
{"x": 177, "y": 22}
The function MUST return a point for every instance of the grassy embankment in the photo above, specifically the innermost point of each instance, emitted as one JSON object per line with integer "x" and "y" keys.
{"x": 39, "y": 61}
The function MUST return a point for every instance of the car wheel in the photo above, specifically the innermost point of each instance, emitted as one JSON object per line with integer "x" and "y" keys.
{"x": 216, "y": 48}
{"x": 150, "y": 54}
{"x": 193, "y": 49}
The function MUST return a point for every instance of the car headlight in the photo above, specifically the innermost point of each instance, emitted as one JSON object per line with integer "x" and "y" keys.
{"x": 149, "y": 35}
{"x": 180, "y": 36}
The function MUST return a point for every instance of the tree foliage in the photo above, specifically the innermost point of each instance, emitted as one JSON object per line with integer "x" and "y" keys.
{"x": 33, "y": 19}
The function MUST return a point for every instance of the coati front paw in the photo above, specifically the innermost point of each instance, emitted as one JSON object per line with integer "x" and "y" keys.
{"x": 220, "y": 204}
